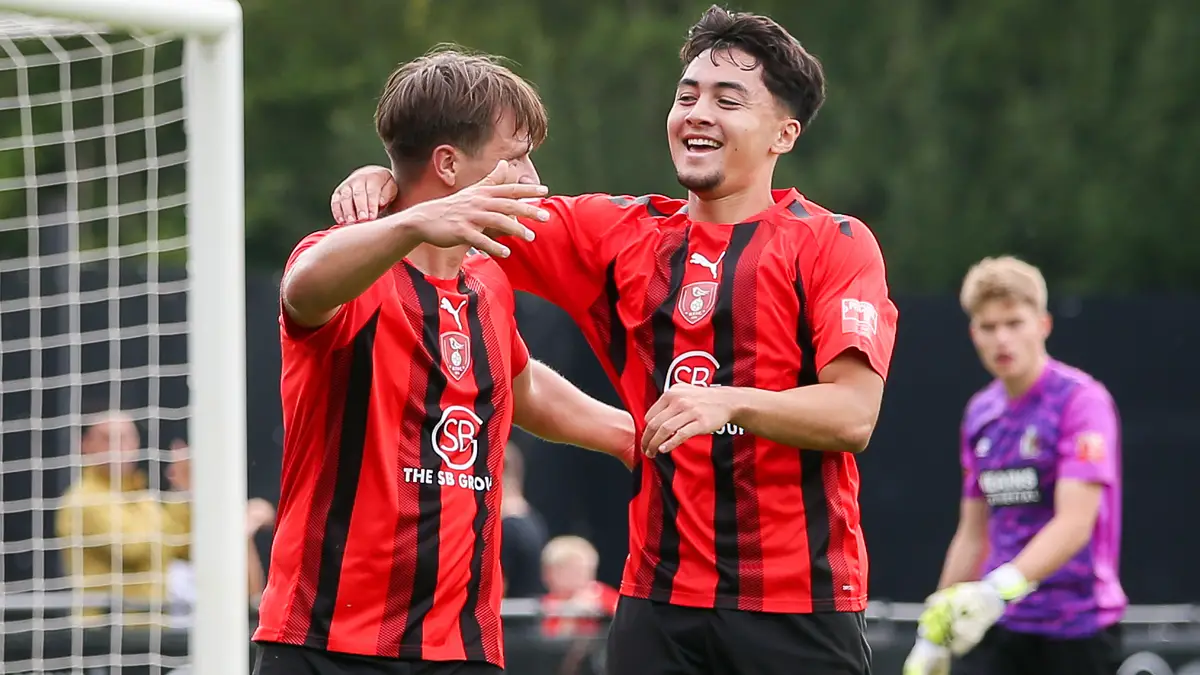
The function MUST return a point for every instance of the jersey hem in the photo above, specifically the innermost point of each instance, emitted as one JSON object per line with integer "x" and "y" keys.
{"x": 1048, "y": 629}
{"x": 362, "y": 648}
{"x": 857, "y": 603}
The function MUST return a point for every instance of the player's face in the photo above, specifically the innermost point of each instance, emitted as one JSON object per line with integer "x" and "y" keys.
{"x": 567, "y": 577}
{"x": 507, "y": 143}
{"x": 725, "y": 128}
{"x": 1010, "y": 338}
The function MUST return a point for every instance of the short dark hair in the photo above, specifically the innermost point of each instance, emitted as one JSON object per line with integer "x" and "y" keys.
{"x": 794, "y": 76}
{"x": 455, "y": 97}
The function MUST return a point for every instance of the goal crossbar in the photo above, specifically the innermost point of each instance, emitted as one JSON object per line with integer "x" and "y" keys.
{"x": 203, "y": 18}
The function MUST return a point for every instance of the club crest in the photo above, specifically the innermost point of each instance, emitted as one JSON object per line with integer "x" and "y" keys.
{"x": 697, "y": 300}
{"x": 456, "y": 353}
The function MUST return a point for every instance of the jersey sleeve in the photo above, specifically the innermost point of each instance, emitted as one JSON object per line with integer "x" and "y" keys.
{"x": 970, "y": 471}
{"x": 565, "y": 264}
{"x": 1089, "y": 435}
{"x": 851, "y": 308}
{"x": 349, "y": 318}
{"x": 520, "y": 352}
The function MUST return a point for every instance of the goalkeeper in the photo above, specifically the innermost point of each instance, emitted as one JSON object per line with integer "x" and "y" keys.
{"x": 1040, "y": 515}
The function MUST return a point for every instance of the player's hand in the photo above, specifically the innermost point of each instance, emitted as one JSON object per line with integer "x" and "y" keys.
{"x": 926, "y": 658}
{"x": 259, "y": 515}
{"x": 959, "y": 616}
{"x": 682, "y": 412}
{"x": 475, "y": 215}
{"x": 363, "y": 195}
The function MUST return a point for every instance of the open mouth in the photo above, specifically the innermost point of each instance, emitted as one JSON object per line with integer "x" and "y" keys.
{"x": 701, "y": 145}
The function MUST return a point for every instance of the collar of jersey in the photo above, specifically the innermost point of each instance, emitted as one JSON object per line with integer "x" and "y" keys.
{"x": 783, "y": 199}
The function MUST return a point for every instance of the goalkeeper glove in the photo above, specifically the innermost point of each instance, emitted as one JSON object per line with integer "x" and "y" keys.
{"x": 959, "y": 616}
{"x": 927, "y": 658}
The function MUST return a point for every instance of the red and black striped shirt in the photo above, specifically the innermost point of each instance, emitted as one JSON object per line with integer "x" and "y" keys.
{"x": 396, "y": 414}
{"x": 727, "y": 520}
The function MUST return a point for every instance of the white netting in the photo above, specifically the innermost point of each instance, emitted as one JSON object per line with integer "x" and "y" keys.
{"x": 92, "y": 319}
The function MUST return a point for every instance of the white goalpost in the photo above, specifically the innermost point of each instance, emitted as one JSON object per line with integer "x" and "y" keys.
{"x": 122, "y": 292}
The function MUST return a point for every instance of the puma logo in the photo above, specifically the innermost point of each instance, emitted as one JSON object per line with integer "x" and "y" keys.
{"x": 699, "y": 259}
{"x": 454, "y": 311}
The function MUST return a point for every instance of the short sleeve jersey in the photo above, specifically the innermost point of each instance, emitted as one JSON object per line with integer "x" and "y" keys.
{"x": 396, "y": 415}
{"x": 726, "y": 520}
{"x": 1014, "y": 453}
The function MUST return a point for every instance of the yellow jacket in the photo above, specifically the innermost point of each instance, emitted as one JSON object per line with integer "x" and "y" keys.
{"x": 120, "y": 540}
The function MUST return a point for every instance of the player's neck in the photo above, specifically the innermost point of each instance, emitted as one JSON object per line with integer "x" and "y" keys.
{"x": 736, "y": 207}
{"x": 1019, "y": 386}
{"x": 440, "y": 263}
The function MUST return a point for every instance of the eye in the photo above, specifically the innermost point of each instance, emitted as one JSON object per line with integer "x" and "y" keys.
{"x": 685, "y": 98}
{"x": 728, "y": 103}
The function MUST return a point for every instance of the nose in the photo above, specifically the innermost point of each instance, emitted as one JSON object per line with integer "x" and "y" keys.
{"x": 701, "y": 112}
{"x": 528, "y": 172}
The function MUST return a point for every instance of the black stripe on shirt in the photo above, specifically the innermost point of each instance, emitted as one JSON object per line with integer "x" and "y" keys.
{"x": 725, "y": 513}
{"x": 352, "y": 439}
{"x": 429, "y": 495}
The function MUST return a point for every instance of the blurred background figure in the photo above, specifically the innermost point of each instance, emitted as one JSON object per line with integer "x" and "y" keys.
{"x": 575, "y": 602}
{"x": 181, "y": 580}
{"x": 523, "y": 532}
{"x": 120, "y": 536}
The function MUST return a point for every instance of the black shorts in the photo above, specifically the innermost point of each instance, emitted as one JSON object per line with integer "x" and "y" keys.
{"x": 654, "y": 638}
{"x": 1005, "y": 652}
{"x": 280, "y": 659}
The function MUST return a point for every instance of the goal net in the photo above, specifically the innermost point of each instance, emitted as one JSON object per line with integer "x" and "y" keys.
{"x": 109, "y": 395}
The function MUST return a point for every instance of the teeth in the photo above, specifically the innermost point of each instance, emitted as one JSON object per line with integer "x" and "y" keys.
{"x": 702, "y": 143}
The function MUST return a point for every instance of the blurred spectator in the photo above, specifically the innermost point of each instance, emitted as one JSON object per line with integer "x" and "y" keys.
{"x": 523, "y": 533}
{"x": 120, "y": 537}
{"x": 569, "y": 569}
{"x": 181, "y": 580}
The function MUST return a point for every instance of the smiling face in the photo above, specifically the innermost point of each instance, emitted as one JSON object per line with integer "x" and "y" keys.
{"x": 726, "y": 130}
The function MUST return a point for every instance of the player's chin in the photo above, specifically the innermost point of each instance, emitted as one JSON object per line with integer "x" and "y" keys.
{"x": 699, "y": 181}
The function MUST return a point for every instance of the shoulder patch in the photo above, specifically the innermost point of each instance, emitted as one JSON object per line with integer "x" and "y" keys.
{"x": 644, "y": 200}
{"x": 843, "y": 225}
{"x": 797, "y": 209}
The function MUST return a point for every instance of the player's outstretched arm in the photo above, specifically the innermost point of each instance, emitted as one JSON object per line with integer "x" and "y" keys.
{"x": 347, "y": 261}
{"x": 550, "y": 407}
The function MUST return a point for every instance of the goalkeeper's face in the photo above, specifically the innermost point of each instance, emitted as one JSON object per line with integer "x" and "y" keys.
{"x": 1010, "y": 337}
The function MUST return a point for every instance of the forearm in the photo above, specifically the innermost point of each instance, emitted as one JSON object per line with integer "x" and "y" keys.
{"x": 825, "y": 417}
{"x": 963, "y": 561}
{"x": 1052, "y": 547}
{"x": 255, "y": 579}
{"x": 343, "y": 265}
{"x": 554, "y": 409}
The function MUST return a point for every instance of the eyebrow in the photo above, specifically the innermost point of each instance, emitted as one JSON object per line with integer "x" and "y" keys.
{"x": 736, "y": 86}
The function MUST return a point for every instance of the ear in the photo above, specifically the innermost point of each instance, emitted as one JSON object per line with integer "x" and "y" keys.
{"x": 445, "y": 164}
{"x": 1047, "y": 324}
{"x": 785, "y": 140}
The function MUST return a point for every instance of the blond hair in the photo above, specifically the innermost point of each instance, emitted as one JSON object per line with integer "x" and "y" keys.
{"x": 561, "y": 549}
{"x": 1004, "y": 278}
